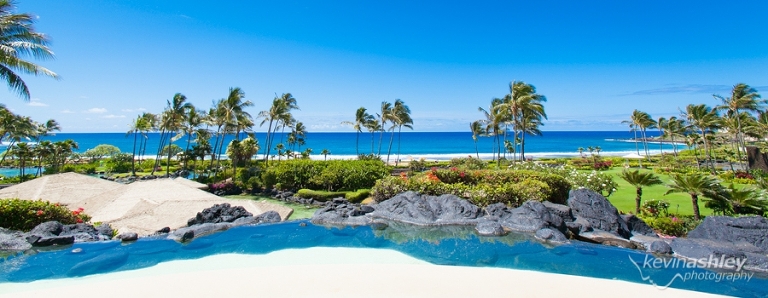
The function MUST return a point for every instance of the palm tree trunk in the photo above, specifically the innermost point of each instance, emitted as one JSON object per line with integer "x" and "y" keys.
{"x": 522, "y": 144}
{"x": 637, "y": 146}
{"x": 695, "y": 202}
{"x": 661, "y": 139}
{"x": 168, "y": 161}
{"x": 637, "y": 200}
{"x": 391, "y": 138}
{"x": 740, "y": 140}
{"x": 399, "y": 135}
{"x": 159, "y": 149}
{"x": 357, "y": 143}
{"x": 372, "y": 141}
{"x": 381, "y": 139}
{"x": 269, "y": 142}
{"x": 133, "y": 160}
{"x": 645, "y": 144}
{"x": 477, "y": 151}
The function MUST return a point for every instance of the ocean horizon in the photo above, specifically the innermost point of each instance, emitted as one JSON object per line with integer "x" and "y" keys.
{"x": 413, "y": 145}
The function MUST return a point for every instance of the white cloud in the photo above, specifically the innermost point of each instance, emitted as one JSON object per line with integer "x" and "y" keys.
{"x": 111, "y": 116}
{"x": 67, "y": 112}
{"x": 133, "y": 110}
{"x": 96, "y": 110}
{"x": 35, "y": 102}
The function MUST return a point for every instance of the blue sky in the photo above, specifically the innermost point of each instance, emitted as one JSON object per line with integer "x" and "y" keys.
{"x": 595, "y": 61}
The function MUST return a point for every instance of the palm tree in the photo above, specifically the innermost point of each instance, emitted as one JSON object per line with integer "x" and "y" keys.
{"x": 639, "y": 180}
{"x": 581, "y": 151}
{"x": 62, "y": 150}
{"x": 747, "y": 200}
{"x": 135, "y": 127}
{"x": 385, "y": 116}
{"x": 173, "y": 120}
{"x": 743, "y": 98}
{"x": 662, "y": 124}
{"x": 643, "y": 121}
{"x": 523, "y": 106}
{"x": 705, "y": 119}
{"x": 23, "y": 152}
{"x": 402, "y": 117}
{"x": 372, "y": 126}
{"x": 192, "y": 122}
{"x": 325, "y": 153}
{"x": 695, "y": 185}
{"x": 18, "y": 39}
{"x": 493, "y": 119}
{"x": 477, "y": 130}
{"x": 278, "y": 112}
{"x": 361, "y": 118}
{"x": 43, "y": 150}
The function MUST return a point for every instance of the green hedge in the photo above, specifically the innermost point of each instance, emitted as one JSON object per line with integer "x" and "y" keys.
{"x": 482, "y": 187}
{"x": 358, "y": 196}
{"x": 332, "y": 175}
{"x": 24, "y": 215}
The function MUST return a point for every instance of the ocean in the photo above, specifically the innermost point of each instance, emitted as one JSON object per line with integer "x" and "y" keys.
{"x": 429, "y": 145}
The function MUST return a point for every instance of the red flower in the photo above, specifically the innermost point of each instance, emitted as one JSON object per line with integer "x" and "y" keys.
{"x": 79, "y": 220}
{"x": 40, "y": 212}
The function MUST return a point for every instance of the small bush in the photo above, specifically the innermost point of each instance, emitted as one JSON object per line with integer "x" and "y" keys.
{"x": 468, "y": 163}
{"x": 319, "y": 195}
{"x": 358, "y": 196}
{"x": 672, "y": 225}
{"x": 17, "y": 214}
{"x": 224, "y": 188}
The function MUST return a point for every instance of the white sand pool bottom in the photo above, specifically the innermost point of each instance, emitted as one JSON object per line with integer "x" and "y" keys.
{"x": 330, "y": 272}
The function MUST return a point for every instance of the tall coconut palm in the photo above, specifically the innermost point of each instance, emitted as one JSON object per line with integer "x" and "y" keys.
{"x": 173, "y": 120}
{"x": 192, "y": 122}
{"x": 705, "y": 119}
{"x": 18, "y": 40}
{"x": 135, "y": 127}
{"x": 494, "y": 117}
{"x": 525, "y": 109}
{"x": 661, "y": 124}
{"x": 372, "y": 126}
{"x": 43, "y": 150}
{"x": 695, "y": 185}
{"x": 477, "y": 130}
{"x": 385, "y": 116}
{"x": 402, "y": 118}
{"x": 277, "y": 113}
{"x": 361, "y": 118}
{"x": 642, "y": 121}
{"x": 639, "y": 180}
{"x": 743, "y": 98}
{"x": 23, "y": 152}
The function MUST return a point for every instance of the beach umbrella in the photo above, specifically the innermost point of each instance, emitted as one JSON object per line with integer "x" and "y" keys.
{"x": 634, "y": 156}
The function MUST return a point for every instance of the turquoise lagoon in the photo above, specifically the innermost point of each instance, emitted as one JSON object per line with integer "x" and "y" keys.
{"x": 447, "y": 245}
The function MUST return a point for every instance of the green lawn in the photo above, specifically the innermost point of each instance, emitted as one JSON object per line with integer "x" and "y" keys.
{"x": 299, "y": 211}
{"x": 624, "y": 197}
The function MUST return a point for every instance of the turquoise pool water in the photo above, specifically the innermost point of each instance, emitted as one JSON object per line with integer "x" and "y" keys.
{"x": 445, "y": 246}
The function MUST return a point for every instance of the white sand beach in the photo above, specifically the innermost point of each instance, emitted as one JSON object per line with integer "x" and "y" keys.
{"x": 330, "y": 272}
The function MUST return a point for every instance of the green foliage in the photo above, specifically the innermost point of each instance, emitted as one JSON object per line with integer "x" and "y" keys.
{"x": 319, "y": 195}
{"x": 417, "y": 165}
{"x": 368, "y": 157}
{"x": 17, "y": 214}
{"x": 101, "y": 151}
{"x": 174, "y": 149}
{"x": 482, "y": 187}
{"x": 468, "y": 163}
{"x": 655, "y": 208}
{"x": 330, "y": 175}
{"x": 677, "y": 226}
{"x": 119, "y": 163}
{"x": 358, "y": 196}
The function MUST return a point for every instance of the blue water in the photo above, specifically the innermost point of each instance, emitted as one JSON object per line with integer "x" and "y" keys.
{"x": 431, "y": 145}
{"x": 445, "y": 246}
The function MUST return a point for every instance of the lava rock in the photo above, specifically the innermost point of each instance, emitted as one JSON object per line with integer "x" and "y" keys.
{"x": 489, "y": 227}
{"x": 13, "y": 240}
{"x": 415, "y": 208}
{"x": 188, "y": 233}
{"x": 751, "y": 229}
{"x": 660, "y": 247}
{"x": 637, "y": 226}
{"x": 219, "y": 213}
{"x": 531, "y": 217}
{"x": 547, "y": 234}
{"x": 598, "y": 211}
{"x": 127, "y": 237}
{"x": 37, "y": 240}
{"x": 47, "y": 229}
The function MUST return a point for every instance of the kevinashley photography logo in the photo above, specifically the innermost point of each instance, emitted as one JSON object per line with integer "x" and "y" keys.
{"x": 733, "y": 265}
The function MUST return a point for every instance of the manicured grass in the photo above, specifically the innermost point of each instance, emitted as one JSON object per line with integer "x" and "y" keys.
{"x": 299, "y": 211}
{"x": 624, "y": 197}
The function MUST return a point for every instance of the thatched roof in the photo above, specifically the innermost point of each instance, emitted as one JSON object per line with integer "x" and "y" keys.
{"x": 142, "y": 207}
{"x": 68, "y": 189}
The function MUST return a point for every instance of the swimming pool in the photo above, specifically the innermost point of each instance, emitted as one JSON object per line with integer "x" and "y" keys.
{"x": 444, "y": 245}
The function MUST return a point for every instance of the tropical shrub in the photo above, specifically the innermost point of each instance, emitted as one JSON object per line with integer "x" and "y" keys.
{"x": 330, "y": 175}
{"x": 358, "y": 196}
{"x": 23, "y": 215}
{"x": 482, "y": 187}
{"x": 224, "y": 188}
{"x": 655, "y": 208}
{"x": 468, "y": 163}
{"x": 677, "y": 226}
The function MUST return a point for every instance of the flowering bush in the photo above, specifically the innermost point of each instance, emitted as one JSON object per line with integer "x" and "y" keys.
{"x": 24, "y": 215}
{"x": 677, "y": 226}
{"x": 482, "y": 187}
{"x": 655, "y": 208}
{"x": 224, "y": 188}
{"x": 596, "y": 181}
